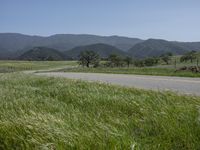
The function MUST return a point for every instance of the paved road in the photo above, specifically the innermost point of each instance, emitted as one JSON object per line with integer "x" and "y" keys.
{"x": 177, "y": 84}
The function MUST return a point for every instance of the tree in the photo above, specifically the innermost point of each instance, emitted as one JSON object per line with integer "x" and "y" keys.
{"x": 139, "y": 63}
{"x": 150, "y": 61}
{"x": 192, "y": 55}
{"x": 88, "y": 58}
{"x": 128, "y": 60}
{"x": 166, "y": 59}
{"x": 115, "y": 60}
{"x": 156, "y": 59}
{"x": 183, "y": 58}
{"x": 169, "y": 54}
{"x": 189, "y": 56}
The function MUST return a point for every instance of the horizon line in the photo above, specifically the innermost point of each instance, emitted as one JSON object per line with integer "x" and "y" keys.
{"x": 90, "y": 34}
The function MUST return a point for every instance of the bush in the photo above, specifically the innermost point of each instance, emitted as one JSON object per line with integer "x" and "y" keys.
{"x": 189, "y": 56}
{"x": 150, "y": 61}
{"x": 115, "y": 61}
{"x": 139, "y": 63}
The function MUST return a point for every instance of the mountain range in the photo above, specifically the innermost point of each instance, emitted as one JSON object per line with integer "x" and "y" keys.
{"x": 14, "y": 45}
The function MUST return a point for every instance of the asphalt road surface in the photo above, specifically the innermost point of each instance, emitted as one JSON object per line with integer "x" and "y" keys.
{"x": 181, "y": 85}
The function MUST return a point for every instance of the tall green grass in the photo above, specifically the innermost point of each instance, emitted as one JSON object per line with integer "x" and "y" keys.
{"x": 56, "y": 113}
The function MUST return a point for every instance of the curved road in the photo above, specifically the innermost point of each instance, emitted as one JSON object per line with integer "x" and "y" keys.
{"x": 177, "y": 84}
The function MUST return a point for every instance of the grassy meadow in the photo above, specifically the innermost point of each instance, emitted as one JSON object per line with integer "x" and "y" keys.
{"x": 158, "y": 70}
{"x": 13, "y": 66}
{"x": 56, "y": 113}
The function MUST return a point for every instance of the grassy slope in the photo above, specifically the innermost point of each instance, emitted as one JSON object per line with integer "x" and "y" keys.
{"x": 138, "y": 71}
{"x": 41, "y": 112}
{"x": 11, "y": 66}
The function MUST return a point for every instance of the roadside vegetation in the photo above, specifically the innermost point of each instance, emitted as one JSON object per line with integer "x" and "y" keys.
{"x": 135, "y": 70}
{"x": 166, "y": 65}
{"x": 13, "y": 66}
{"x": 56, "y": 113}
{"x": 89, "y": 61}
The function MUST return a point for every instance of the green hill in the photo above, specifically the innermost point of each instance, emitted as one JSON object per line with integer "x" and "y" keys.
{"x": 15, "y": 41}
{"x": 103, "y": 50}
{"x": 154, "y": 47}
{"x": 12, "y": 45}
{"x": 4, "y": 54}
{"x": 43, "y": 53}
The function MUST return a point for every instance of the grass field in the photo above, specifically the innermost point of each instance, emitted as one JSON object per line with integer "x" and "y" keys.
{"x": 55, "y": 113}
{"x": 133, "y": 70}
{"x": 12, "y": 66}
{"x": 162, "y": 70}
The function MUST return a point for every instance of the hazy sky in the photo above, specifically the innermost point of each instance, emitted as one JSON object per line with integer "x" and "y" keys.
{"x": 167, "y": 19}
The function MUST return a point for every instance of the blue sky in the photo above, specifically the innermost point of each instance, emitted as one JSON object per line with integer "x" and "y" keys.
{"x": 166, "y": 19}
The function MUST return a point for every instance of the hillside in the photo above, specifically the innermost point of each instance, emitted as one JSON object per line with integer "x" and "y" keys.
{"x": 189, "y": 45}
{"x": 154, "y": 47}
{"x": 103, "y": 50}
{"x": 4, "y": 54}
{"x": 14, "y": 41}
{"x": 42, "y": 53}
{"x": 12, "y": 45}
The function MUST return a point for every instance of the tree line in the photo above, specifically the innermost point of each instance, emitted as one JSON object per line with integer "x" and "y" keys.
{"x": 92, "y": 59}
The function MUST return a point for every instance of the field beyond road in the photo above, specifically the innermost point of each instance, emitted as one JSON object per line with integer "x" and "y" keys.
{"x": 56, "y": 113}
{"x": 166, "y": 70}
{"x": 7, "y": 66}
{"x": 182, "y": 85}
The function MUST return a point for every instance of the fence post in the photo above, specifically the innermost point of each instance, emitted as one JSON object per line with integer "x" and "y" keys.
{"x": 175, "y": 63}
